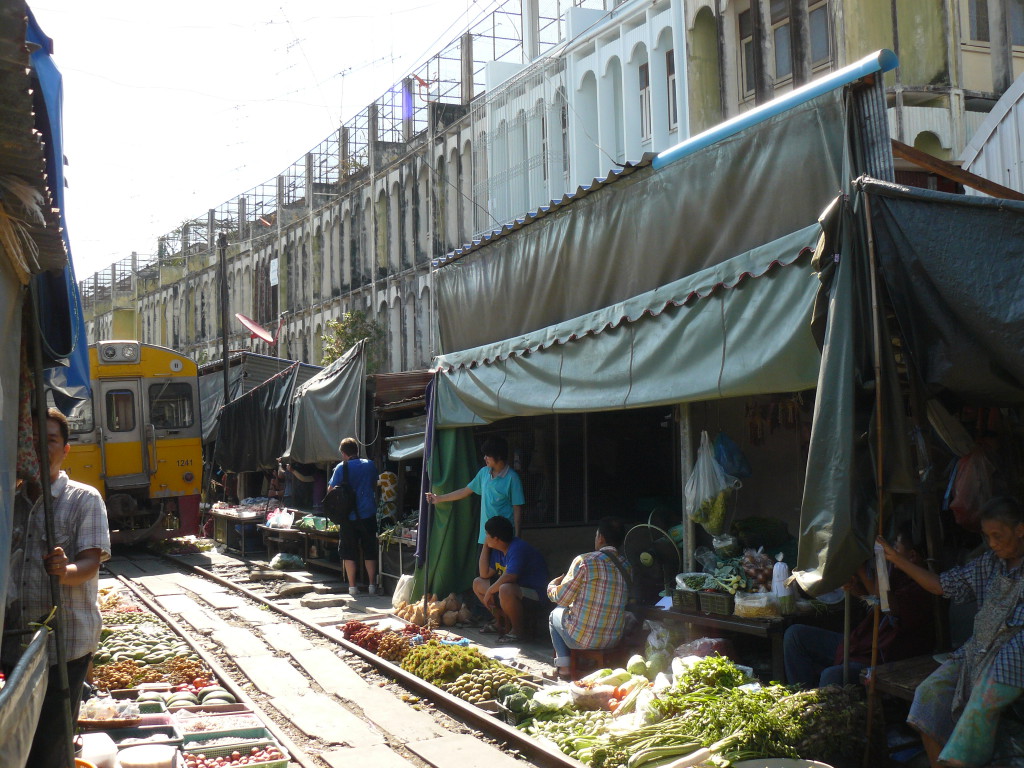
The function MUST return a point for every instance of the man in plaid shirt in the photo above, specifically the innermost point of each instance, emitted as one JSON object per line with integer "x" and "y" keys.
{"x": 82, "y": 543}
{"x": 591, "y": 597}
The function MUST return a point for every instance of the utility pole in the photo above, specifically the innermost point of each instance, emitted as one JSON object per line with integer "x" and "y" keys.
{"x": 222, "y": 247}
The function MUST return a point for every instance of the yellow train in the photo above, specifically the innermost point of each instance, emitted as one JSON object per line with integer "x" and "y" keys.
{"x": 140, "y": 440}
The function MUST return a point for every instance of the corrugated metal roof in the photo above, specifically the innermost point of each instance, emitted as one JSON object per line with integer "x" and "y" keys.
{"x": 391, "y": 390}
{"x": 257, "y": 369}
{"x": 21, "y": 145}
{"x": 544, "y": 210}
{"x": 995, "y": 150}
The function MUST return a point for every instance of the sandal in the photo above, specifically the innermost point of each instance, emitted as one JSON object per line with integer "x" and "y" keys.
{"x": 490, "y": 628}
{"x": 510, "y": 637}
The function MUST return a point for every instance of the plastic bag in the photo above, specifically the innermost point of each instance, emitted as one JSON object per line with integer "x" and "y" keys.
{"x": 759, "y": 568}
{"x": 730, "y": 457}
{"x": 707, "y": 489}
{"x": 705, "y": 646}
{"x": 726, "y": 546}
{"x": 707, "y": 559}
{"x": 403, "y": 590}
{"x": 280, "y": 518}
{"x": 972, "y": 488}
{"x": 757, "y": 605}
{"x": 285, "y": 561}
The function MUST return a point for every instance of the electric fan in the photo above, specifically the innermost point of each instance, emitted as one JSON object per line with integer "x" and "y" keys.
{"x": 654, "y": 556}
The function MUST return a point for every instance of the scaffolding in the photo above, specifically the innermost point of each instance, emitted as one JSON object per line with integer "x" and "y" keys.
{"x": 453, "y": 76}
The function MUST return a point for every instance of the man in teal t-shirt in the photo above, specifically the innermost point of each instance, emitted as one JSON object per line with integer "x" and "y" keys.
{"x": 499, "y": 487}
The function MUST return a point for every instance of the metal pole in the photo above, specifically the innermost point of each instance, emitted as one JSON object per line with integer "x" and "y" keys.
{"x": 876, "y": 327}
{"x": 222, "y": 247}
{"x": 51, "y": 537}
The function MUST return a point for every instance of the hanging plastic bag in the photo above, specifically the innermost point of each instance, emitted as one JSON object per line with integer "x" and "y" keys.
{"x": 972, "y": 488}
{"x": 708, "y": 489}
{"x": 730, "y": 457}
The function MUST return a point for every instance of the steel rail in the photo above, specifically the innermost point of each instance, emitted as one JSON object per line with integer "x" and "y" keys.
{"x": 539, "y": 753}
{"x": 297, "y": 755}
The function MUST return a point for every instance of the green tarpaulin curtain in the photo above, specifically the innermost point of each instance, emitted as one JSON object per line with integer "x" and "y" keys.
{"x": 452, "y": 549}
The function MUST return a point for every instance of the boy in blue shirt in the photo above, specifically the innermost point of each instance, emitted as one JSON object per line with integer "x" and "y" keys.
{"x": 510, "y": 571}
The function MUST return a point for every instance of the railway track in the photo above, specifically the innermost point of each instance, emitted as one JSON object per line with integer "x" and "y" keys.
{"x": 328, "y": 701}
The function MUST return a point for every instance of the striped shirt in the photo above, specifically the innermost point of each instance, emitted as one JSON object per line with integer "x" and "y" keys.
{"x": 594, "y": 594}
{"x": 80, "y": 523}
{"x": 973, "y": 580}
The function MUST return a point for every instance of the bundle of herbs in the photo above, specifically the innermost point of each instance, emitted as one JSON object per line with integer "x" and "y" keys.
{"x": 710, "y": 713}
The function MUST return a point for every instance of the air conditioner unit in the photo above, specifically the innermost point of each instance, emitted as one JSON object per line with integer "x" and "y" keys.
{"x": 118, "y": 352}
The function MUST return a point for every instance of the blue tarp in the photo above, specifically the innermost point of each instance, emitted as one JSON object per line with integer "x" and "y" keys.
{"x": 59, "y": 305}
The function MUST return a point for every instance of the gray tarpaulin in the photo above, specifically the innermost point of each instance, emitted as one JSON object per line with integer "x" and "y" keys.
{"x": 328, "y": 408}
{"x": 648, "y": 229}
{"x": 20, "y": 702}
{"x": 407, "y": 442}
{"x": 246, "y": 371}
{"x": 211, "y": 399}
{"x": 739, "y": 328}
{"x": 953, "y": 268}
{"x": 253, "y": 430}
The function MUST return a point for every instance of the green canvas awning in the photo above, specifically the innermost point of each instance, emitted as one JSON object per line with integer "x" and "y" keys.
{"x": 738, "y": 328}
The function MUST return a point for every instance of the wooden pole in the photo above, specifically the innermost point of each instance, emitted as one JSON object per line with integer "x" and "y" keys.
{"x": 51, "y": 535}
{"x": 876, "y": 326}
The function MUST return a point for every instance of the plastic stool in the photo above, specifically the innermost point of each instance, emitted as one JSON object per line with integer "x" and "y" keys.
{"x": 594, "y": 658}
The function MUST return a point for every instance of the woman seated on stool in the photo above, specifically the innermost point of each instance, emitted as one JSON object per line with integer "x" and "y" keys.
{"x": 958, "y": 708}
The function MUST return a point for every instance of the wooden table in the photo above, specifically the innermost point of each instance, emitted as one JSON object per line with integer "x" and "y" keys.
{"x": 276, "y": 539}
{"x": 770, "y": 629}
{"x": 323, "y": 540}
{"x": 224, "y": 529}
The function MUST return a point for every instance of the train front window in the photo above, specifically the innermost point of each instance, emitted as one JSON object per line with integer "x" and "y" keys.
{"x": 120, "y": 410}
{"x": 170, "y": 406}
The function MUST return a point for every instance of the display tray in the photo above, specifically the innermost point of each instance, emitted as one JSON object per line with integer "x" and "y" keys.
{"x": 87, "y": 724}
{"x": 189, "y": 710}
{"x": 147, "y": 734}
{"x": 720, "y": 603}
{"x": 255, "y": 732}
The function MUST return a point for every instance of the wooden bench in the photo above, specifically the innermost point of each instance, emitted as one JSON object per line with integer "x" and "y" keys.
{"x": 901, "y": 678}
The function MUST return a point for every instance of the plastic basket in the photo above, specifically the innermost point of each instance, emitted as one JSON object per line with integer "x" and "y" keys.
{"x": 684, "y": 600}
{"x": 227, "y": 749}
{"x": 716, "y": 602}
{"x": 508, "y": 716}
{"x": 151, "y": 707}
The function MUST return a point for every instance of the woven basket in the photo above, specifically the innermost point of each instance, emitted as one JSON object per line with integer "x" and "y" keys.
{"x": 720, "y": 603}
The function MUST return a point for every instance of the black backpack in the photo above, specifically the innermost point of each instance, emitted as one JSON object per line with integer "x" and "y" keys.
{"x": 340, "y": 501}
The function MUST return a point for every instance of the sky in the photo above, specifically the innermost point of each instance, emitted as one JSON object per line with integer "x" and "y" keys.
{"x": 171, "y": 109}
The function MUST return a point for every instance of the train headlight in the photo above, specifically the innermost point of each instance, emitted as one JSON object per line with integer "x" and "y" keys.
{"x": 188, "y": 477}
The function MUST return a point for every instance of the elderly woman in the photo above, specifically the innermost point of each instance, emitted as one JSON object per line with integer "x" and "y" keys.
{"x": 958, "y": 707}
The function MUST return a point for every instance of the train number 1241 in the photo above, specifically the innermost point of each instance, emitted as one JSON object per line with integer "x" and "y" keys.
{"x": 184, "y": 462}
